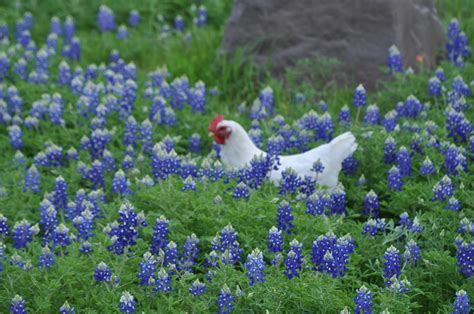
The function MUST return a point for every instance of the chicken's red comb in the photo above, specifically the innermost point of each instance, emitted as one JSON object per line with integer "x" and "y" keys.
{"x": 213, "y": 125}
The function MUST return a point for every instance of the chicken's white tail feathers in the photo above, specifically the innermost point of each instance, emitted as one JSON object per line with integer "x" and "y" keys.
{"x": 340, "y": 148}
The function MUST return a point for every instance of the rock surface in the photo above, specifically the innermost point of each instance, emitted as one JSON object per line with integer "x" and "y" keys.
{"x": 278, "y": 33}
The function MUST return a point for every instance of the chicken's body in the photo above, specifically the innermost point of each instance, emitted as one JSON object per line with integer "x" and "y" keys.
{"x": 237, "y": 150}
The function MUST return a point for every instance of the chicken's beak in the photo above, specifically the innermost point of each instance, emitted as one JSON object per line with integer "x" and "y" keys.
{"x": 211, "y": 134}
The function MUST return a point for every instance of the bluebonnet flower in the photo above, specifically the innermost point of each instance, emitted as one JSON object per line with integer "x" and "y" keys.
{"x": 255, "y": 267}
{"x": 453, "y": 204}
{"x": 197, "y": 97}
{"x": 394, "y": 179}
{"x": 416, "y": 227}
{"x": 60, "y": 196}
{"x": 66, "y": 309}
{"x": 394, "y": 60}
{"x": 344, "y": 116}
{"x": 72, "y": 154}
{"x": 134, "y": 18}
{"x": 461, "y": 305}
{"x": 17, "y": 306}
{"x": 241, "y": 191}
{"x": 434, "y": 87}
{"x": 465, "y": 256}
{"x": 46, "y": 259}
{"x": 69, "y": 29}
{"x": 122, "y": 32}
{"x": 371, "y": 204}
{"x": 275, "y": 145}
{"x": 458, "y": 125}
{"x": 349, "y": 165}
{"x": 427, "y": 167}
{"x": 224, "y": 301}
{"x": 372, "y": 115}
{"x": 411, "y": 108}
{"x": 416, "y": 144}
{"x": 105, "y": 19}
{"x": 363, "y": 301}
{"x": 189, "y": 184}
{"x": 179, "y": 23}
{"x": 127, "y": 303}
{"x": 289, "y": 181}
{"x": 3, "y": 226}
{"x": 60, "y": 236}
{"x": 275, "y": 240}
{"x": 197, "y": 288}
{"x": 162, "y": 281}
{"x": 337, "y": 200}
{"x": 55, "y": 26}
{"x": 22, "y": 233}
{"x": 360, "y": 97}
{"x": 392, "y": 264}
{"x": 405, "y": 220}
{"x": 404, "y": 161}
{"x": 164, "y": 164}
{"x": 120, "y": 183}
{"x": 374, "y": 226}
{"x": 399, "y": 286}
{"x": 108, "y": 161}
{"x": 189, "y": 253}
{"x": 315, "y": 204}
{"x": 285, "y": 217}
{"x": 201, "y": 18}
{"x": 457, "y": 45}
{"x": 4, "y": 65}
{"x": 227, "y": 243}
{"x": 412, "y": 252}
{"x": 389, "y": 150}
{"x": 3, "y": 30}
{"x": 124, "y": 232}
{"x": 102, "y": 273}
{"x": 19, "y": 158}
{"x": 86, "y": 248}
{"x": 64, "y": 74}
{"x": 32, "y": 180}
{"x": 466, "y": 226}
{"x": 16, "y": 136}
{"x": 194, "y": 143}
{"x": 339, "y": 252}
{"x": 160, "y": 235}
{"x": 20, "y": 68}
{"x": 171, "y": 255}
{"x": 84, "y": 224}
{"x": 443, "y": 189}
{"x": 267, "y": 99}
{"x": 96, "y": 175}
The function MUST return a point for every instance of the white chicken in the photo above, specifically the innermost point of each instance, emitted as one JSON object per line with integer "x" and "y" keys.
{"x": 237, "y": 150}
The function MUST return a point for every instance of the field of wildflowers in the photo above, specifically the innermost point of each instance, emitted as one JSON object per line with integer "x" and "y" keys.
{"x": 112, "y": 199}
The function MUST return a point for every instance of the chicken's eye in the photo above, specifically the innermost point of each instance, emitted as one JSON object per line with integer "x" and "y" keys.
{"x": 223, "y": 132}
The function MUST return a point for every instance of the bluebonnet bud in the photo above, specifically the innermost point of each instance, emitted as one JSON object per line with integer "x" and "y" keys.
{"x": 46, "y": 259}
{"x": 189, "y": 253}
{"x": 64, "y": 74}
{"x": 105, "y": 19}
{"x": 3, "y": 227}
{"x": 60, "y": 196}
{"x": 224, "y": 301}
{"x": 255, "y": 267}
{"x": 394, "y": 60}
{"x": 102, "y": 273}
{"x": 162, "y": 281}
{"x": 285, "y": 217}
{"x": 17, "y": 306}
{"x": 275, "y": 240}
{"x": 55, "y": 26}
{"x": 412, "y": 252}
{"x": 360, "y": 97}
{"x": 20, "y": 68}
{"x": 32, "y": 180}
{"x": 392, "y": 264}
{"x": 86, "y": 248}
{"x": 189, "y": 184}
{"x": 405, "y": 220}
{"x": 389, "y": 150}
{"x": 461, "y": 305}
{"x": 453, "y": 204}
{"x": 371, "y": 204}
{"x": 344, "y": 116}
{"x": 127, "y": 303}
{"x": 160, "y": 235}
{"x": 69, "y": 29}
{"x": 197, "y": 288}
{"x": 4, "y": 65}
{"x": 133, "y": 18}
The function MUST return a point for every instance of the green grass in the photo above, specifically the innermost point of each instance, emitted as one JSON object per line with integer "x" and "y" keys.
{"x": 434, "y": 280}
